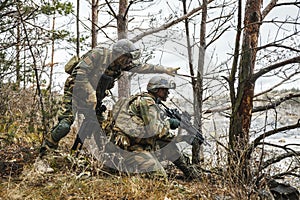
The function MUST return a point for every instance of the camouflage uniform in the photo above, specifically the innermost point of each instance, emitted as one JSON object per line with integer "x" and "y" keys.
{"x": 95, "y": 73}
{"x": 138, "y": 124}
{"x": 66, "y": 117}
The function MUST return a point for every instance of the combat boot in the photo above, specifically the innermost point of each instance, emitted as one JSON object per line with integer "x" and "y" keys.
{"x": 189, "y": 171}
{"x": 48, "y": 144}
{"x": 46, "y": 152}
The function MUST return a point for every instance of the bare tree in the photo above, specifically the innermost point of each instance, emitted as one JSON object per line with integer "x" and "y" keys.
{"x": 95, "y": 5}
{"x": 122, "y": 23}
{"x": 122, "y": 29}
{"x": 242, "y": 98}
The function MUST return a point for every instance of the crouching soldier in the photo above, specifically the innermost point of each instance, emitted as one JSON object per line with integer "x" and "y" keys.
{"x": 139, "y": 129}
{"x": 86, "y": 87}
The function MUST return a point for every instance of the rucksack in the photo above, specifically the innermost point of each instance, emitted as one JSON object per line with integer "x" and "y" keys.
{"x": 71, "y": 64}
{"x": 120, "y": 118}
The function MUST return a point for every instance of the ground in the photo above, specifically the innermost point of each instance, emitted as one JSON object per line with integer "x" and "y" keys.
{"x": 84, "y": 178}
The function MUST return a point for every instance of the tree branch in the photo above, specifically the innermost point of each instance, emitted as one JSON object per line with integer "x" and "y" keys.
{"x": 127, "y": 9}
{"x": 288, "y": 4}
{"x": 278, "y": 84}
{"x": 167, "y": 25}
{"x": 217, "y": 37}
{"x": 275, "y": 66}
{"x": 232, "y": 79}
{"x": 279, "y": 158}
{"x": 288, "y": 173}
{"x": 258, "y": 108}
{"x": 279, "y": 46}
{"x": 268, "y": 8}
{"x": 111, "y": 9}
{"x": 275, "y": 104}
{"x": 272, "y": 132}
{"x": 273, "y": 4}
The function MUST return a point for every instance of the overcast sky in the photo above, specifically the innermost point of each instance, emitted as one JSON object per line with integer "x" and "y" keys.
{"x": 167, "y": 56}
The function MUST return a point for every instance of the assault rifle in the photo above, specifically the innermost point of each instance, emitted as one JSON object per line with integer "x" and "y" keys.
{"x": 185, "y": 123}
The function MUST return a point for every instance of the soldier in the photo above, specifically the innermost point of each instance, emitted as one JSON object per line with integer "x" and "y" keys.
{"x": 95, "y": 73}
{"x": 139, "y": 127}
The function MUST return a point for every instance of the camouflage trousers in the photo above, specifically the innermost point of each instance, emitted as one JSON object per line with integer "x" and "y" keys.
{"x": 144, "y": 162}
{"x": 67, "y": 116}
{"x": 63, "y": 127}
{"x": 133, "y": 162}
{"x": 167, "y": 150}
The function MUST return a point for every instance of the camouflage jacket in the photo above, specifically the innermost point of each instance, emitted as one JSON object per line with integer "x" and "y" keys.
{"x": 138, "y": 123}
{"x": 96, "y": 67}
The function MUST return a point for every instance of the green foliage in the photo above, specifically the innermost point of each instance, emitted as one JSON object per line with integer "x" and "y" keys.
{"x": 59, "y": 34}
{"x": 81, "y": 39}
{"x": 58, "y": 8}
{"x": 27, "y": 10}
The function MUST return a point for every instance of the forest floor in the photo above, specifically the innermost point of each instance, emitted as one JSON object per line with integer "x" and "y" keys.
{"x": 84, "y": 178}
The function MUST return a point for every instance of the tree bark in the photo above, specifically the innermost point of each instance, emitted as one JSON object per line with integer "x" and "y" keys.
{"x": 77, "y": 30}
{"x": 197, "y": 150}
{"x": 94, "y": 22}
{"x": 18, "y": 65}
{"x": 242, "y": 108}
{"x": 122, "y": 22}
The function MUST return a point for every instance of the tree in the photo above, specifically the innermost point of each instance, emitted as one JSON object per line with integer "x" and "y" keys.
{"x": 95, "y": 5}
{"x": 122, "y": 26}
{"x": 242, "y": 95}
{"x": 26, "y": 41}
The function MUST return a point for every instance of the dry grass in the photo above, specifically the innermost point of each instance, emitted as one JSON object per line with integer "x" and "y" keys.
{"x": 83, "y": 178}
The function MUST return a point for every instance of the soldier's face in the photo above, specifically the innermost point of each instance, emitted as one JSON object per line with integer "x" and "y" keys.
{"x": 163, "y": 93}
{"x": 124, "y": 61}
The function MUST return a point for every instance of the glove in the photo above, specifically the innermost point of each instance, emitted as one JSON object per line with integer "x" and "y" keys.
{"x": 172, "y": 70}
{"x": 174, "y": 123}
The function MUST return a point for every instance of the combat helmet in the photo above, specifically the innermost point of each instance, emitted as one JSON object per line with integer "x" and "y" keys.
{"x": 125, "y": 46}
{"x": 160, "y": 82}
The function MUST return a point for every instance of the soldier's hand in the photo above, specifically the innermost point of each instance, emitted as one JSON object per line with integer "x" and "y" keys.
{"x": 172, "y": 70}
{"x": 174, "y": 123}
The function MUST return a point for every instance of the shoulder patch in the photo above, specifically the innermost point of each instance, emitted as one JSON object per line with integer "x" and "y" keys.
{"x": 87, "y": 60}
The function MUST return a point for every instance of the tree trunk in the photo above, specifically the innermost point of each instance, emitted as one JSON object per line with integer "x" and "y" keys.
{"x": 18, "y": 66}
{"x": 94, "y": 22}
{"x": 197, "y": 150}
{"x": 122, "y": 21}
{"x": 242, "y": 107}
{"x": 77, "y": 30}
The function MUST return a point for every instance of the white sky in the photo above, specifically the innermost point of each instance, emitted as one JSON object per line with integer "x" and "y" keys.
{"x": 223, "y": 48}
